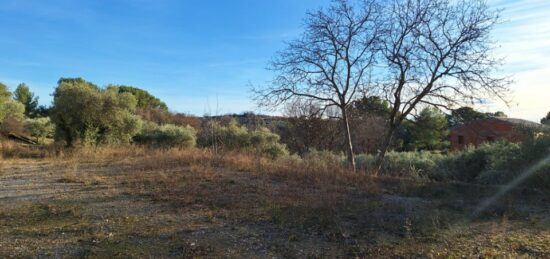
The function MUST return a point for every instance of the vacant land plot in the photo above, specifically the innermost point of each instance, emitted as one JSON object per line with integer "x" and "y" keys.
{"x": 152, "y": 207}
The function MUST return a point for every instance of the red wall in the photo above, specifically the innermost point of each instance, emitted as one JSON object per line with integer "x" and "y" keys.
{"x": 482, "y": 131}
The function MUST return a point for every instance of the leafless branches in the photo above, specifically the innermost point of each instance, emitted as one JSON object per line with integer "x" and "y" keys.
{"x": 421, "y": 52}
{"x": 331, "y": 61}
{"x": 438, "y": 53}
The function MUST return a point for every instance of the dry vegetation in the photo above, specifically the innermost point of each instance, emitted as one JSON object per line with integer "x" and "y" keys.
{"x": 138, "y": 202}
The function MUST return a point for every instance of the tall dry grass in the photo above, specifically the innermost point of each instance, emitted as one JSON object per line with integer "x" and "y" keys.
{"x": 317, "y": 167}
{"x": 13, "y": 150}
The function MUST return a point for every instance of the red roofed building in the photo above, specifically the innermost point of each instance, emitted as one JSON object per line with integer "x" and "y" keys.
{"x": 488, "y": 130}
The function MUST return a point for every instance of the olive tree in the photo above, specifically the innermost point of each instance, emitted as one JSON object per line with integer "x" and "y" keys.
{"x": 330, "y": 62}
{"x": 145, "y": 100}
{"x": 82, "y": 112}
{"x": 9, "y": 109}
{"x": 40, "y": 128}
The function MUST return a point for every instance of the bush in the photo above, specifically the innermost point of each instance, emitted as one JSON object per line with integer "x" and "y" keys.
{"x": 266, "y": 142}
{"x": 167, "y": 136}
{"x": 236, "y": 137}
{"x": 40, "y": 128}
{"x": 491, "y": 163}
{"x": 507, "y": 162}
{"x": 469, "y": 165}
{"x": 418, "y": 165}
{"x": 9, "y": 108}
{"x": 84, "y": 113}
{"x": 144, "y": 99}
{"x": 325, "y": 156}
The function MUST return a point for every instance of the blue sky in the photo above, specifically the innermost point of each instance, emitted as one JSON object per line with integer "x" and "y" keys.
{"x": 199, "y": 55}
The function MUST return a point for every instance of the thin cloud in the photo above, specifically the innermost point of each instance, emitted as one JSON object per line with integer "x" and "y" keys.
{"x": 525, "y": 43}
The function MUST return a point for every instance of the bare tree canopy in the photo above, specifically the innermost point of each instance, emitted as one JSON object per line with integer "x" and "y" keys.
{"x": 409, "y": 52}
{"x": 438, "y": 52}
{"x": 331, "y": 61}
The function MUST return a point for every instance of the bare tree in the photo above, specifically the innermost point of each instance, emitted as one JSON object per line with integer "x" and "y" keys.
{"x": 306, "y": 117}
{"x": 438, "y": 53}
{"x": 330, "y": 63}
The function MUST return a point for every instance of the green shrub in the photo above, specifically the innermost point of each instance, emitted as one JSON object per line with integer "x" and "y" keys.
{"x": 491, "y": 163}
{"x": 418, "y": 165}
{"x": 236, "y": 137}
{"x": 507, "y": 162}
{"x": 534, "y": 152}
{"x": 494, "y": 160}
{"x": 167, "y": 136}
{"x": 325, "y": 156}
{"x": 9, "y": 108}
{"x": 267, "y": 142}
{"x": 144, "y": 99}
{"x": 469, "y": 164}
{"x": 315, "y": 161}
{"x": 231, "y": 137}
{"x": 40, "y": 128}
{"x": 84, "y": 113}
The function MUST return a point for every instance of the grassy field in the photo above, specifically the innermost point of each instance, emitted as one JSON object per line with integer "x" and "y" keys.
{"x": 189, "y": 203}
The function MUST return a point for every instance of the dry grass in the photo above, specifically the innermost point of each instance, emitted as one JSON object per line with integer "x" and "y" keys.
{"x": 12, "y": 149}
{"x": 138, "y": 202}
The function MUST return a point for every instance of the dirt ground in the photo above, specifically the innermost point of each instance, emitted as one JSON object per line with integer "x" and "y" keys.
{"x": 126, "y": 209}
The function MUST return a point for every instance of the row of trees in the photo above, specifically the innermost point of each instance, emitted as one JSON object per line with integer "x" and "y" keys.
{"x": 83, "y": 113}
{"x": 308, "y": 128}
{"x": 19, "y": 112}
{"x": 410, "y": 53}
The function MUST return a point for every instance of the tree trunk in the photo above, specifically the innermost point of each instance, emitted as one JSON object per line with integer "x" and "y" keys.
{"x": 387, "y": 142}
{"x": 351, "y": 155}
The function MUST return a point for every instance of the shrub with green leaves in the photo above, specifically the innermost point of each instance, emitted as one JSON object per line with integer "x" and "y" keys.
{"x": 267, "y": 142}
{"x": 167, "y": 136}
{"x": 9, "y": 108}
{"x": 144, "y": 99}
{"x": 506, "y": 162}
{"x": 236, "y": 137}
{"x": 11, "y": 113}
{"x": 40, "y": 128}
{"x": 420, "y": 165}
{"x": 491, "y": 163}
{"x": 84, "y": 113}
{"x": 470, "y": 164}
{"x": 325, "y": 156}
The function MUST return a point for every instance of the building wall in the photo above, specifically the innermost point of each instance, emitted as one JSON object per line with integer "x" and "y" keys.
{"x": 478, "y": 132}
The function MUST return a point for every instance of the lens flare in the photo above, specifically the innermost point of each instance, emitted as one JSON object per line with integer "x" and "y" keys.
{"x": 511, "y": 185}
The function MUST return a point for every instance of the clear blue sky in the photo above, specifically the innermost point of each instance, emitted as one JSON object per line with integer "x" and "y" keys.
{"x": 194, "y": 54}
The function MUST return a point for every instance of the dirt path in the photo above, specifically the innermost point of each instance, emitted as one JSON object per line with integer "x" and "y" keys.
{"x": 90, "y": 210}
{"x": 41, "y": 203}
{"x": 25, "y": 181}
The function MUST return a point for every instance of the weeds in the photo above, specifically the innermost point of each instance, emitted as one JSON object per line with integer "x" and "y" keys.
{"x": 143, "y": 202}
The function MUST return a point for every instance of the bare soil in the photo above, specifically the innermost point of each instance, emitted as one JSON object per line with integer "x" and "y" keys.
{"x": 127, "y": 208}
